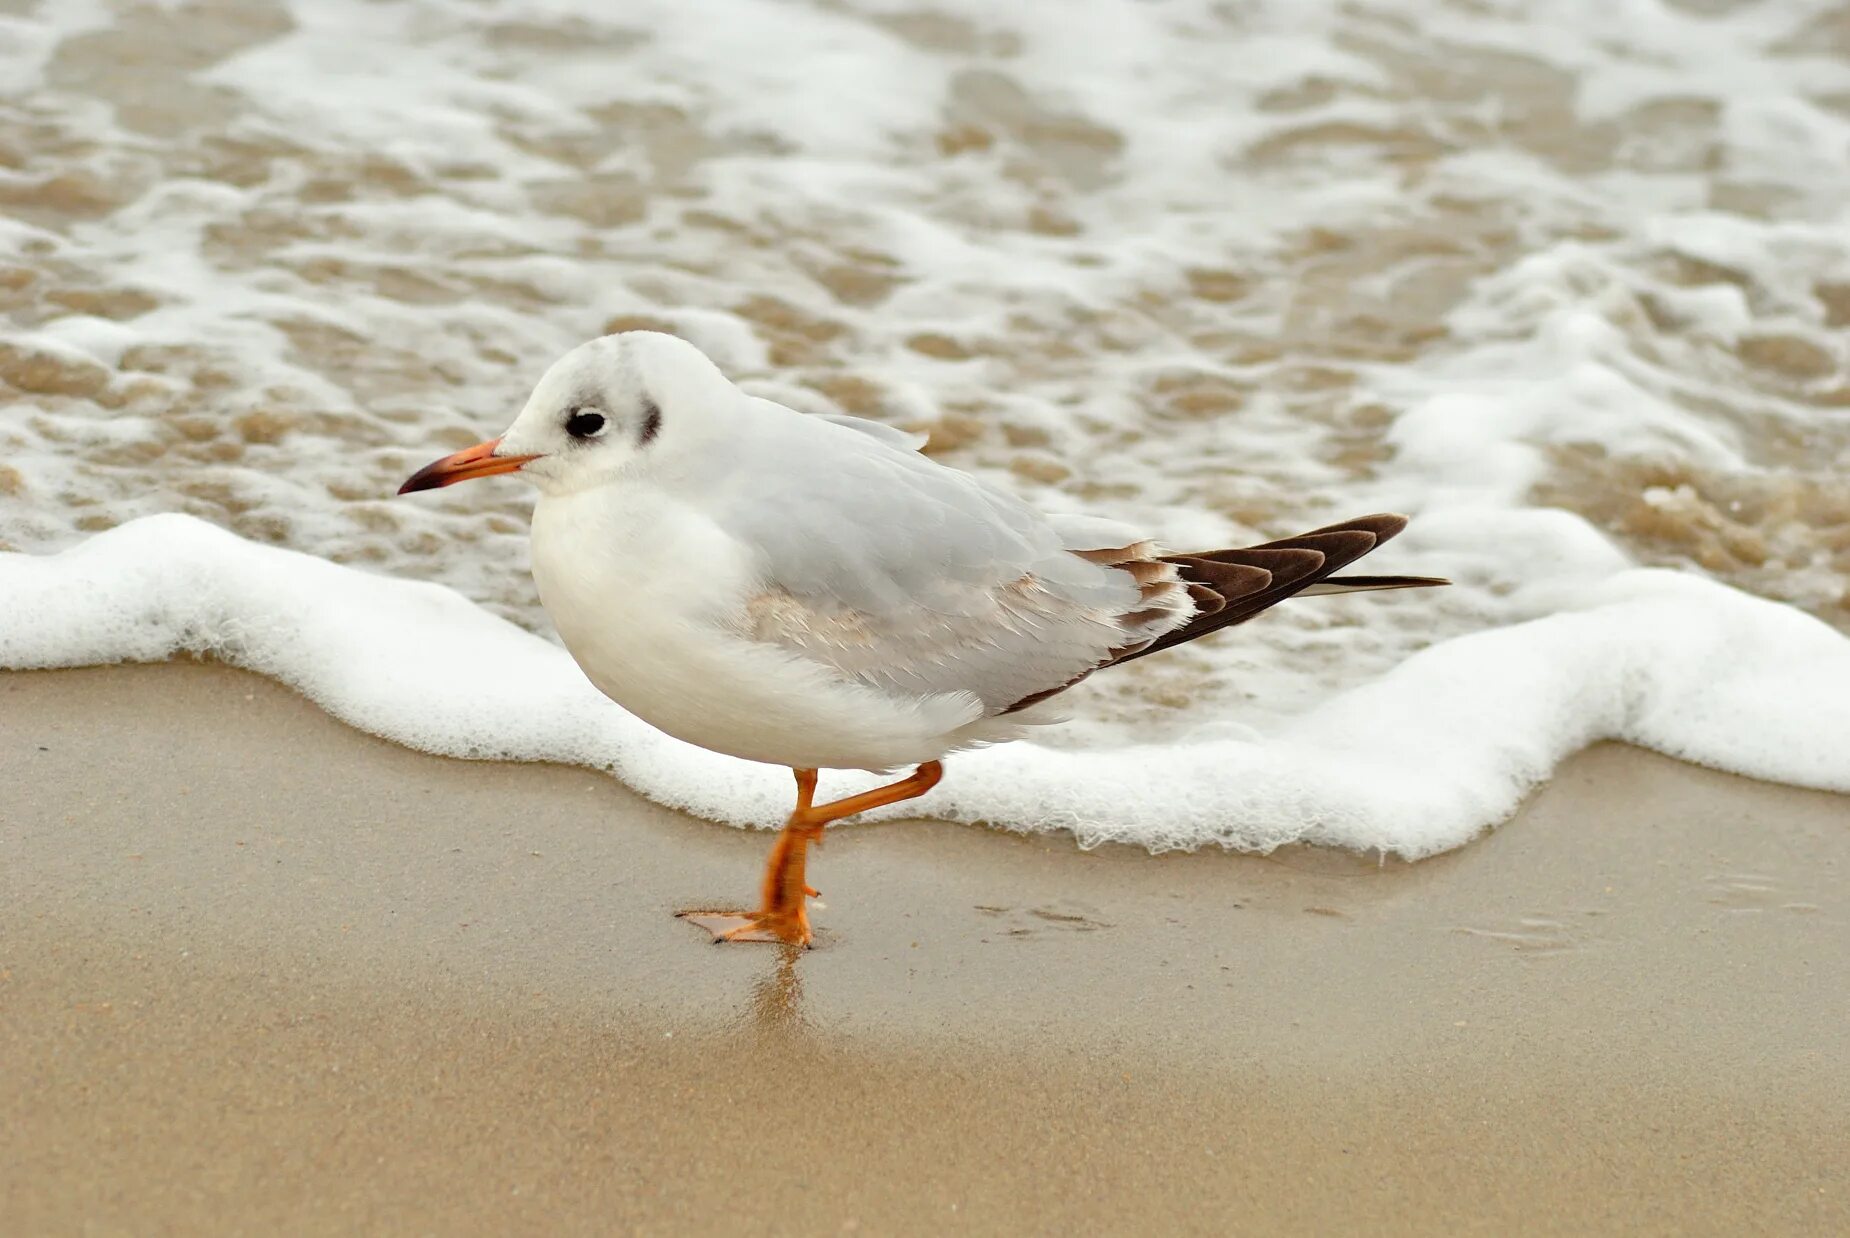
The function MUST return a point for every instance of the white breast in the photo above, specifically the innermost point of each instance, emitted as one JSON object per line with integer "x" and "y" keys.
{"x": 649, "y": 597}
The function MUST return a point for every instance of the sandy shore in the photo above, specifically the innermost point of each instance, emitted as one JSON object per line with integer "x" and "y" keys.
{"x": 260, "y": 971}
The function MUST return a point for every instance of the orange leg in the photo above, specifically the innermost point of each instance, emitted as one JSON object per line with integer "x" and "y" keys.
{"x": 783, "y": 917}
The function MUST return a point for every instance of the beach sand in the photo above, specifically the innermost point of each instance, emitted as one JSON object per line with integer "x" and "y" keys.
{"x": 259, "y": 971}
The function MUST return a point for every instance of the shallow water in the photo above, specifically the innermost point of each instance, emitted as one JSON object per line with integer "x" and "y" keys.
{"x": 1567, "y": 282}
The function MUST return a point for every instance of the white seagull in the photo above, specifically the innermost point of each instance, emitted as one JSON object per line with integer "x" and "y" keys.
{"x": 811, "y": 591}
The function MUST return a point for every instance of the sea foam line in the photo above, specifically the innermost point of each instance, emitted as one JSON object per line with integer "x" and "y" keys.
{"x": 1415, "y": 762}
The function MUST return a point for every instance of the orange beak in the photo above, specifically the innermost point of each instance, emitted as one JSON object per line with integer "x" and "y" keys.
{"x": 477, "y": 461}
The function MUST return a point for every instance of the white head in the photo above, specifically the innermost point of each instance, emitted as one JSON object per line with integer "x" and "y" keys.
{"x": 599, "y": 409}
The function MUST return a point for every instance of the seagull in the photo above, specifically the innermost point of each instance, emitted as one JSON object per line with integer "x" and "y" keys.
{"x": 810, "y": 590}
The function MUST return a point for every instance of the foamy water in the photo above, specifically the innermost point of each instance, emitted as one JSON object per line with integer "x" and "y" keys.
{"x": 1567, "y": 282}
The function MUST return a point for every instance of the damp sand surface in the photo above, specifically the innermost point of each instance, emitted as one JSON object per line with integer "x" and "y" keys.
{"x": 261, "y": 971}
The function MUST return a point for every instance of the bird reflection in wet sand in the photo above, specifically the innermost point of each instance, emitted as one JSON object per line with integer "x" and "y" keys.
{"x": 777, "y": 996}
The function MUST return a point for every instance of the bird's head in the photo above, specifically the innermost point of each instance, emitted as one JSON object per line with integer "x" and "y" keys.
{"x": 601, "y": 407}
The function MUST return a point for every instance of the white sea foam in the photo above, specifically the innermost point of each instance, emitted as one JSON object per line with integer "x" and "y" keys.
{"x": 1566, "y": 282}
{"x": 1413, "y": 763}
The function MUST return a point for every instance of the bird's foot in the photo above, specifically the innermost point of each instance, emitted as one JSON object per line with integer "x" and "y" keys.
{"x": 788, "y": 926}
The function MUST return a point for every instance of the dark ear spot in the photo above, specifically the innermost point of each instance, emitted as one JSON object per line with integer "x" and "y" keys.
{"x": 651, "y": 424}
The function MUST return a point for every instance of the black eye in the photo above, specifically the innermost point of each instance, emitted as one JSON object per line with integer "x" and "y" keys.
{"x": 583, "y": 423}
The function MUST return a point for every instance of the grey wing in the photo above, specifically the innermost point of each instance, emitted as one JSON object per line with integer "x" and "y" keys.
{"x": 909, "y": 576}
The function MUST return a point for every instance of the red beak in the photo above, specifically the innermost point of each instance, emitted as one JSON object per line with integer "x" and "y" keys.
{"x": 477, "y": 461}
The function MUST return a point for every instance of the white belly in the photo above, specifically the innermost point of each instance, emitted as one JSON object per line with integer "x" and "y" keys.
{"x": 647, "y": 597}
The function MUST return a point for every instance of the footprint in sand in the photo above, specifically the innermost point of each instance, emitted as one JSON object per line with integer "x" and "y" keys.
{"x": 1022, "y": 922}
{"x": 1751, "y": 892}
{"x": 1533, "y": 935}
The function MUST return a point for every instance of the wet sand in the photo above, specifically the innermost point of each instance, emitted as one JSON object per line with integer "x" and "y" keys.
{"x": 260, "y": 971}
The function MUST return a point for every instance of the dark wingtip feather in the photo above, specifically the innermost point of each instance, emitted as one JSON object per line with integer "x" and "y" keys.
{"x": 1238, "y": 576}
{"x": 1382, "y": 524}
{"x": 1386, "y": 582}
{"x": 1286, "y": 563}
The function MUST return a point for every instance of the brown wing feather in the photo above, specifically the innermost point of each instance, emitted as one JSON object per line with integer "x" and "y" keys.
{"x": 1231, "y": 586}
{"x": 1291, "y": 565}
